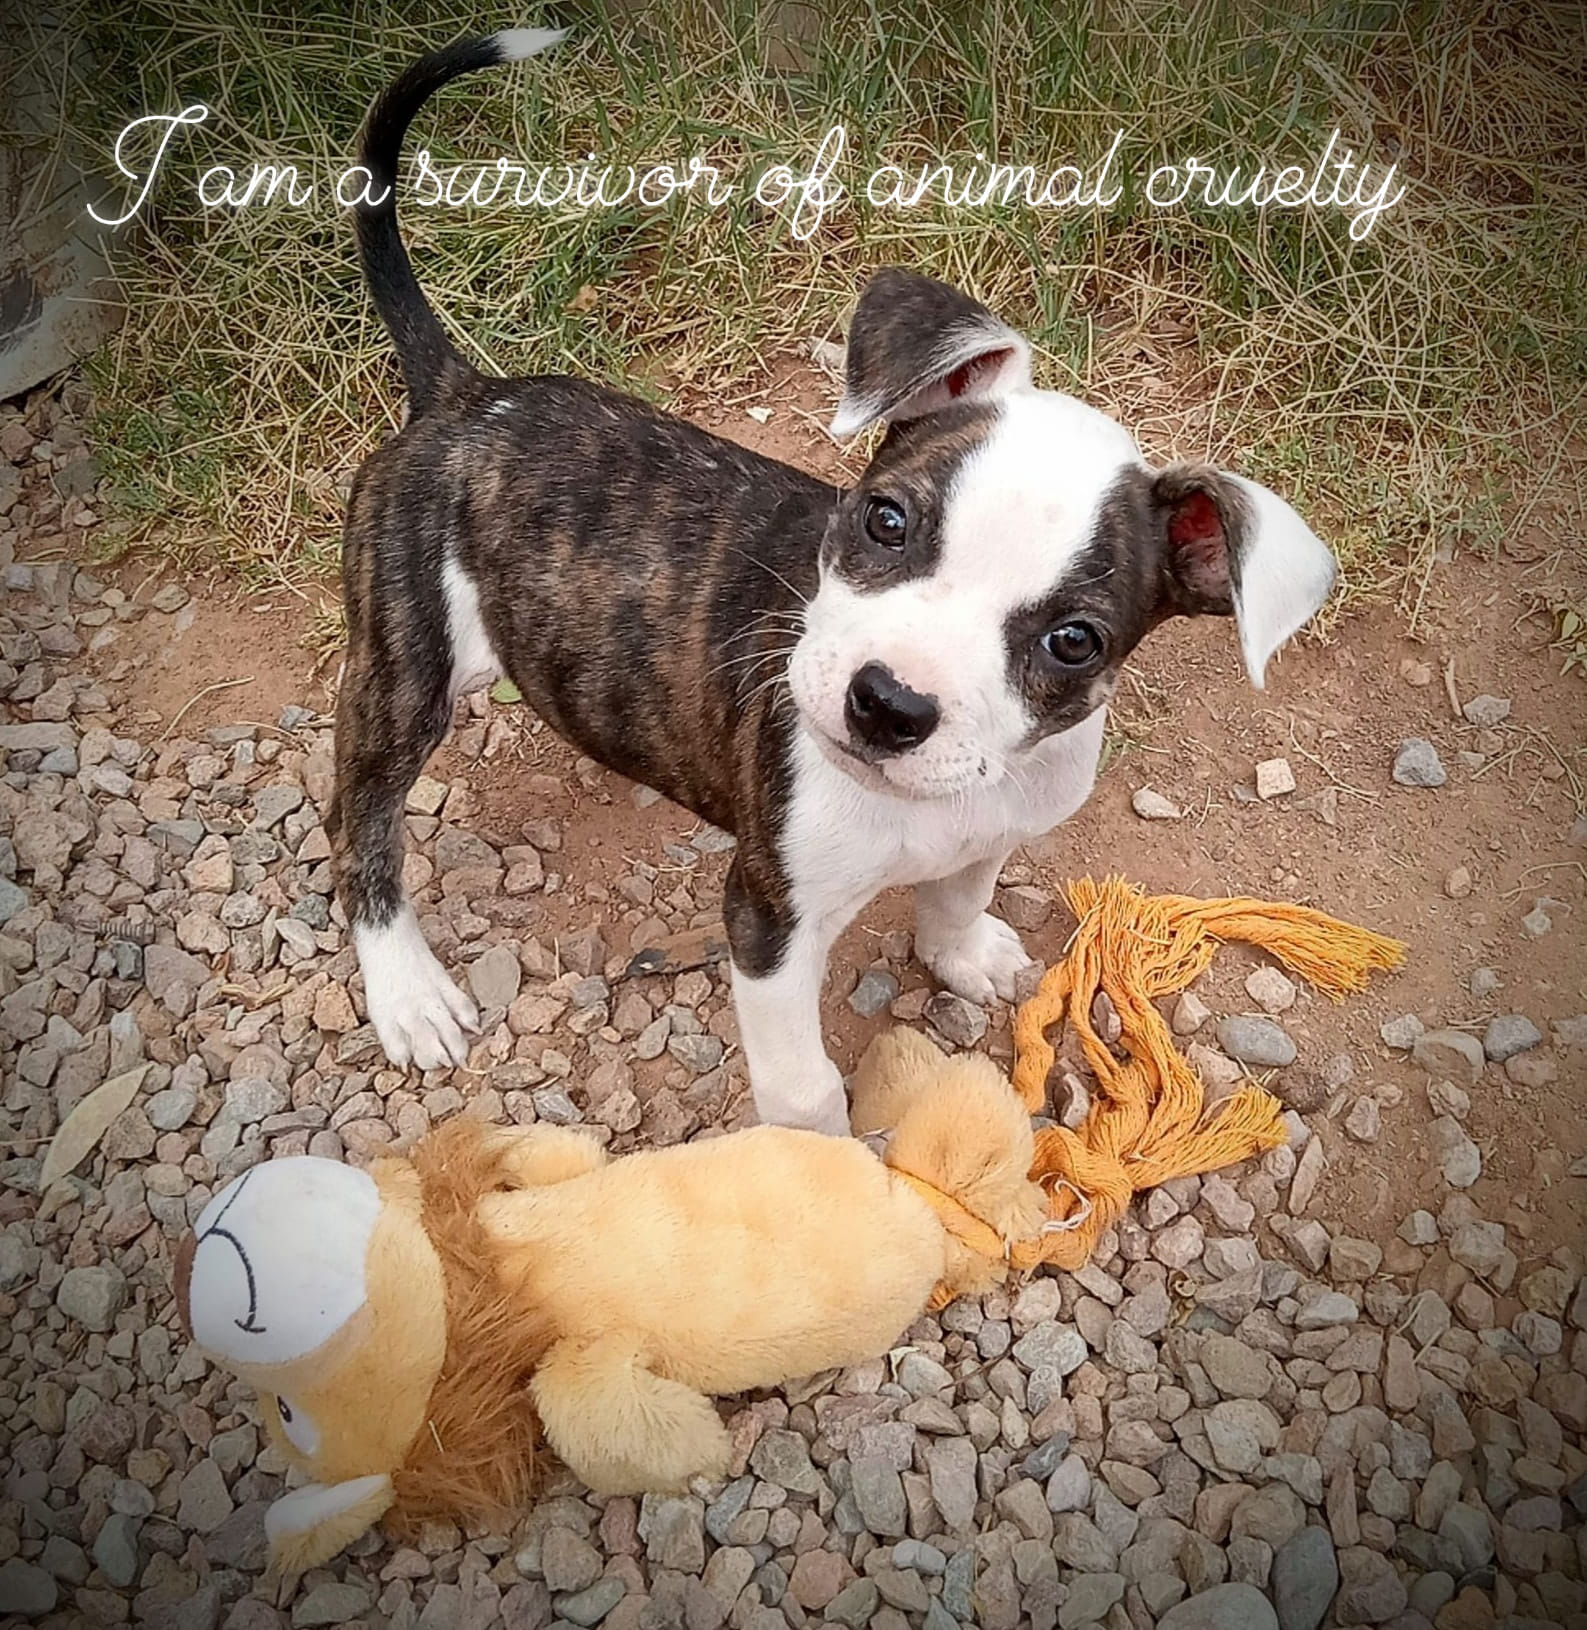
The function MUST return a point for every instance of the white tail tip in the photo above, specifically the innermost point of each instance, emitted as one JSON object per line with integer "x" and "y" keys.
{"x": 517, "y": 43}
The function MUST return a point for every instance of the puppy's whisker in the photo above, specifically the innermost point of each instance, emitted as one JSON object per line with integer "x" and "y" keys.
{"x": 771, "y": 571}
{"x": 751, "y": 658}
{"x": 768, "y": 622}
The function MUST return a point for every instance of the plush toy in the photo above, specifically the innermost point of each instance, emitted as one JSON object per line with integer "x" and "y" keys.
{"x": 414, "y": 1329}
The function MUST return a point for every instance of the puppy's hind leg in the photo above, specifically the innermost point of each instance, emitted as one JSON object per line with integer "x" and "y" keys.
{"x": 391, "y": 714}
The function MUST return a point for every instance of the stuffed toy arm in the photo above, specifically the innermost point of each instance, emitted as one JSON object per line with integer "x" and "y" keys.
{"x": 311, "y": 1524}
{"x": 622, "y": 1428}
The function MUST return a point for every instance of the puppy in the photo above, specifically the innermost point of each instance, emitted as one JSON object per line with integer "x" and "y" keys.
{"x": 895, "y": 684}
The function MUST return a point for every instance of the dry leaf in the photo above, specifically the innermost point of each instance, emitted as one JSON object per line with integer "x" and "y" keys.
{"x": 87, "y": 1124}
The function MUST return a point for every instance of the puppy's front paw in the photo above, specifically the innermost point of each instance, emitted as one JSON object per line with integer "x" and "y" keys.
{"x": 420, "y": 1016}
{"x": 979, "y": 964}
{"x": 812, "y": 1100}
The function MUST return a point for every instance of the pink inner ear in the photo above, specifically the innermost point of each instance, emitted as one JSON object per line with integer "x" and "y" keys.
{"x": 1195, "y": 520}
{"x": 969, "y": 373}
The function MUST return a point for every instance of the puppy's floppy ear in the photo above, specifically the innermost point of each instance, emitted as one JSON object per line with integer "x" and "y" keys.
{"x": 915, "y": 345}
{"x": 1233, "y": 546}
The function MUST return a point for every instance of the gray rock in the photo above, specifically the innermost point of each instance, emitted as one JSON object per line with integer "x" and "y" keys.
{"x": 1043, "y": 1462}
{"x": 590, "y": 1606}
{"x": 950, "y": 1469}
{"x": 914, "y": 1555}
{"x": 1365, "y": 1119}
{"x": 1260, "y": 1043}
{"x": 960, "y": 1021}
{"x": 37, "y": 738}
{"x": 171, "y": 1109}
{"x": 783, "y": 1458}
{"x": 331, "y": 1602}
{"x": 272, "y": 805}
{"x": 673, "y": 1529}
{"x": 1153, "y": 806}
{"x": 1371, "y": 1592}
{"x": 1417, "y": 764}
{"x": 496, "y": 977}
{"x": 1450, "y": 1055}
{"x": 116, "y": 1550}
{"x": 879, "y": 1493}
{"x": 1401, "y": 1032}
{"x": 729, "y": 1504}
{"x": 1069, "y": 1487}
{"x": 1478, "y": 1245}
{"x": 697, "y": 1054}
{"x": 854, "y": 1605}
{"x": 876, "y": 991}
{"x": 92, "y": 1297}
{"x": 1487, "y": 711}
{"x": 1509, "y": 1034}
{"x": 1052, "y": 1346}
{"x": 922, "y": 1377}
{"x": 253, "y": 1099}
{"x": 26, "y": 1591}
{"x": 1079, "y": 1543}
{"x": 1333, "y": 1307}
{"x": 1090, "y": 1597}
{"x": 203, "y": 1502}
{"x": 1224, "y": 1607}
{"x": 1235, "y": 1368}
{"x": 12, "y": 900}
{"x": 1459, "y": 1158}
{"x": 1470, "y": 1531}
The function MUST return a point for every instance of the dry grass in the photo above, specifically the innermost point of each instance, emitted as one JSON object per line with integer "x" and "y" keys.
{"x": 1399, "y": 388}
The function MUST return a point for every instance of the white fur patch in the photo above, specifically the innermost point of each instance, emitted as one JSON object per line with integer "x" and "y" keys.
{"x": 514, "y": 44}
{"x": 420, "y": 1016}
{"x": 844, "y": 842}
{"x": 1018, "y": 513}
{"x": 474, "y": 659}
{"x": 1286, "y": 575}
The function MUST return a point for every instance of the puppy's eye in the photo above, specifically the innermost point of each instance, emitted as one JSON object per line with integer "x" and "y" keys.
{"x": 885, "y": 522}
{"x": 1072, "y": 644}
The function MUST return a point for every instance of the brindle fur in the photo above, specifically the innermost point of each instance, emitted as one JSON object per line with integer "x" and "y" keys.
{"x": 565, "y": 504}
{"x": 641, "y": 581}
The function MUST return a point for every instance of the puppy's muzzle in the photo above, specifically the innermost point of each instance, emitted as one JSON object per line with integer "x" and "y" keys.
{"x": 884, "y": 716}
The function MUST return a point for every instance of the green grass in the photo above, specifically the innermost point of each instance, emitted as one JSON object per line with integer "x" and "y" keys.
{"x": 1399, "y": 389}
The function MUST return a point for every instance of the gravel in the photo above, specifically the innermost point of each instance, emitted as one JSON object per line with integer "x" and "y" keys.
{"x": 1237, "y": 1415}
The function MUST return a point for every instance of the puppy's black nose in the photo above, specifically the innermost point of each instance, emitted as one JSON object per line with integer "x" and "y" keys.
{"x": 886, "y": 715}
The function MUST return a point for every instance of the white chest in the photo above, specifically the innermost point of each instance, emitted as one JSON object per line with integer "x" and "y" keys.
{"x": 844, "y": 841}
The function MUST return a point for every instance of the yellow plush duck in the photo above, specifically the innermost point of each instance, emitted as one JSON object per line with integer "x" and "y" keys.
{"x": 414, "y": 1329}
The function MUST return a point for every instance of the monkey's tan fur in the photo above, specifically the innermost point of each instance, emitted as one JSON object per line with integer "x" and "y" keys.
{"x": 606, "y": 1302}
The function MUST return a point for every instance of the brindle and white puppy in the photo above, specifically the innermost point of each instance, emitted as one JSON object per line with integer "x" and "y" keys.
{"x": 891, "y": 685}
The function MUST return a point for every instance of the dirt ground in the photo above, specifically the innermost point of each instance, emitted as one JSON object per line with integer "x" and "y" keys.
{"x": 1452, "y": 871}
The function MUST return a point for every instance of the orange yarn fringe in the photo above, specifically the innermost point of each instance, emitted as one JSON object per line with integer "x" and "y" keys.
{"x": 1150, "y": 1122}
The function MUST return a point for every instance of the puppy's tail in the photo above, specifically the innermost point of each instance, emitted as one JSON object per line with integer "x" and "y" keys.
{"x": 427, "y": 356}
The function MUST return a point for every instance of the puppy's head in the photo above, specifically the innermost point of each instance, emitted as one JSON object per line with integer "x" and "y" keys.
{"x": 1005, "y": 552}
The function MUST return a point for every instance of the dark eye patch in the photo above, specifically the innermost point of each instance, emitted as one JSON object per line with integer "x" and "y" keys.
{"x": 1112, "y": 590}
{"x": 914, "y": 469}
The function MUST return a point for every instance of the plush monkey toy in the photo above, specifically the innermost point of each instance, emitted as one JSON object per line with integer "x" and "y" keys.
{"x": 414, "y": 1330}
